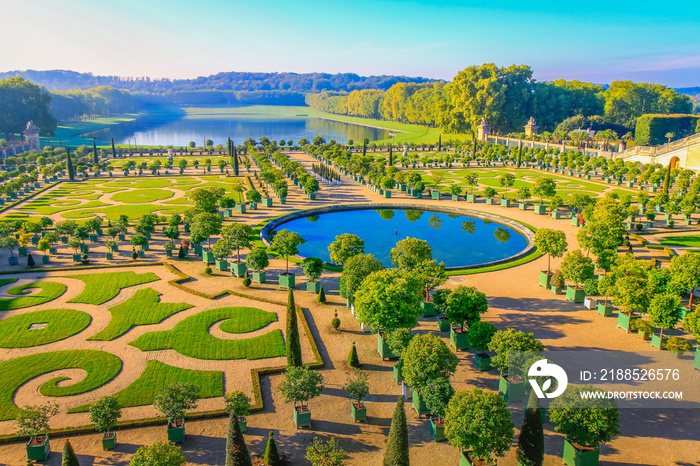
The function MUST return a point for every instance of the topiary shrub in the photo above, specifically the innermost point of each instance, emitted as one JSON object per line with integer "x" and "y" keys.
{"x": 335, "y": 323}
{"x": 207, "y": 271}
{"x": 30, "y": 260}
{"x": 639, "y": 227}
{"x": 353, "y": 359}
{"x": 246, "y": 280}
{"x": 396, "y": 452}
{"x": 590, "y": 287}
{"x": 321, "y": 296}
{"x": 272, "y": 455}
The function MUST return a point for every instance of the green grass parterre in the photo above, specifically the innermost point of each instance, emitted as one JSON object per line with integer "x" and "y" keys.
{"x": 15, "y": 331}
{"x": 101, "y": 287}
{"x": 48, "y": 292}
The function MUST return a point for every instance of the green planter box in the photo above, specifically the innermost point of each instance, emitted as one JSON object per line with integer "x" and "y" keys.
{"x": 240, "y": 208}
{"x": 23, "y": 252}
{"x": 313, "y": 287}
{"x": 555, "y": 290}
{"x": 39, "y": 452}
{"x": 221, "y": 265}
{"x": 471, "y": 197}
{"x": 458, "y": 340}
{"x": 544, "y": 279}
{"x": 283, "y": 200}
{"x": 540, "y": 209}
{"x": 696, "y": 359}
{"x": 575, "y": 221}
{"x": 287, "y": 280}
{"x": 574, "y": 457}
{"x": 267, "y": 202}
{"x": 511, "y": 391}
{"x": 398, "y": 373}
{"x": 435, "y": 195}
{"x": 141, "y": 253}
{"x": 604, "y": 310}
{"x": 302, "y": 416}
{"x": 168, "y": 253}
{"x": 238, "y": 269}
{"x": 623, "y": 320}
{"x": 489, "y": 201}
{"x": 176, "y": 434}
{"x": 455, "y": 197}
{"x": 658, "y": 342}
{"x": 443, "y": 324}
{"x": 418, "y": 195}
{"x": 115, "y": 247}
{"x": 482, "y": 361}
{"x": 76, "y": 258}
{"x": 109, "y": 256}
{"x": 228, "y": 212}
{"x": 359, "y": 412}
{"x": 259, "y": 277}
{"x": 45, "y": 259}
{"x": 387, "y": 193}
{"x": 574, "y": 294}
{"x": 419, "y": 404}
{"x": 523, "y": 205}
{"x": 109, "y": 443}
{"x": 122, "y": 237}
{"x": 556, "y": 214}
{"x": 94, "y": 238}
{"x": 198, "y": 250}
{"x": 428, "y": 308}
{"x": 437, "y": 431}
{"x": 505, "y": 202}
{"x": 312, "y": 196}
{"x": 466, "y": 460}
{"x": 208, "y": 257}
{"x": 383, "y": 348}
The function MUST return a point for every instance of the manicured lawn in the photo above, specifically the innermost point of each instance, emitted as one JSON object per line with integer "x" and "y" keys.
{"x": 49, "y": 291}
{"x": 191, "y": 337}
{"x": 15, "y": 331}
{"x": 100, "y": 367}
{"x": 134, "y": 211}
{"x": 144, "y": 308}
{"x": 153, "y": 183}
{"x": 46, "y": 205}
{"x": 101, "y": 287}
{"x": 141, "y": 196}
{"x": 690, "y": 241}
{"x": 158, "y": 375}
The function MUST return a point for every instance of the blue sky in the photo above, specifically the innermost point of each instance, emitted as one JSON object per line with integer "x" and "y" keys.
{"x": 593, "y": 41}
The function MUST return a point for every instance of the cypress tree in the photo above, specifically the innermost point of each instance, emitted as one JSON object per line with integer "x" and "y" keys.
{"x": 520, "y": 153}
{"x": 30, "y": 260}
{"x": 272, "y": 455}
{"x": 353, "y": 359}
{"x": 439, "y": 142}
{"x": 293, "y": 345}
{"x": 396, "y": 452}
{"x": 474, "y": 149}
{"x": 114, "y": 151}
{"x": 94, "y": 151}
{"x": 69, "y": 458}
{"x": 667, "y": 179}
{"x": 235, "y": 160}
{"x": 236, "y": 449}
{"x": 322, "y": 296}
{"x": 181, "y": 253}
{"x": 391, "y": 158}
{"x": 530, "y": 450}
{"x": 71, "y": 172}
{"x": 364, "y": 147}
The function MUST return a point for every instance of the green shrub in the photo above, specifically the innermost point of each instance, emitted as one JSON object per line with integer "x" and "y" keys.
{"x": 396, "y": 451}
{"x": 353, "y": 359}
{"x": 207, "y": 270}
{"x": 272, "y": 455}
{"x": 651, "y": 130}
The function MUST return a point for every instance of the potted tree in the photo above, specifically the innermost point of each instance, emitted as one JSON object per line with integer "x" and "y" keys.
{"x": 43, "y": 246}
{"x": 464, "y": 306}
{"x": 172, "y": 402}
{"x": 590, "y": 289}
{"x": 10, "y": 243}
{"x": 257, "y": 260}
{"x": 503, "y": 342}
{"x": 238, "y": 236}
{"x": 490, "y": 193}
{"x": 585, "y": 424}
{"x": 431, "y": 274}
{"x": 358, "y": 389}
{"x": 576, "y": 268}
{"x": 105, "y": 414}
{"x": 479, "y": 424}
{"x": 523, "y": 194}
{"x": 553, "y": 243}
{"x": 426, "y": 358}
{"x": 238, "y": 404}
{"x": 642, "y": 327}
{"x": 440, "y": 305}
{"x": 455, "y": 190}
{"x": 677, "y": 346}
{"x": 221, "y": 250}
{"x": 664, "y": 312}
{"x": 313, "y": 268}
{"x": 33, "y": 421}
{"x": 141, "y": 241}
{"x": 397, "y": 340}
{"x": 286, "y": 243}
{"x": 557, "y": 282}
{"x": 300, "y": 384}
{"x": 438, "y": 393}
{"x": 544, "y": 188}
{"x": 472, "y": 179}
{"x": 479, "y": 335}
{"x": 506, "y": 180}
{"x": 554, "y": 204}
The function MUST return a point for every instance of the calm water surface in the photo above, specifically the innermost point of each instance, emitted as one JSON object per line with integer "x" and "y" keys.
{"x": 179, "y": 130}
{"x": 456, "y": 240}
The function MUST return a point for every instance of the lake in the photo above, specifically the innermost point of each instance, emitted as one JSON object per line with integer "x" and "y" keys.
{"x": 238, "y": 123}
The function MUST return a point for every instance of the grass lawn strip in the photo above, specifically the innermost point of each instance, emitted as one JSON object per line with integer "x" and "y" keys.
{"x": 101, "y": 287}
{"x": 141, "y": 196}
{"x": 15, "y": 331}
{"x": 101, "y": 367}
{"x": 158, "y": 375}
{"x": 191, "y": 337}
{"x": 144, "y": 308}
{"x": 690, "y": 241}
{"x": 133, "y": 211}
{"x": 49, "y": 291}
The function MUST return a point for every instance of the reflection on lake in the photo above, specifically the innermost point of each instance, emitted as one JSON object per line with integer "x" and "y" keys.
{"x": 180, "y": 129}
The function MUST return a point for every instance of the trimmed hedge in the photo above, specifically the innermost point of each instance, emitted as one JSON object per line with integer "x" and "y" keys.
{"x": 651, "y": 129}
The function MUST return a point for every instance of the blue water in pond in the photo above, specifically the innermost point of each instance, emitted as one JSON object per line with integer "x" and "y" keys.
{"x": 456, "y": 240}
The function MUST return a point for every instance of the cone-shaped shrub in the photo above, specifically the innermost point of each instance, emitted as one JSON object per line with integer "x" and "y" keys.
{"x": 69, "y": 458}
{"x": 530, "y": 450}
{"x": 353, "y": 360}
{"x": 272, "y": 455}
{"x": 322, "y": 296}
{"x": 293, "y": 344}
{"x": 181, "y": 253}
{"x": 30, "y": 260}
{"x": 236, "y": 449}
{"x": 396, "y": 452}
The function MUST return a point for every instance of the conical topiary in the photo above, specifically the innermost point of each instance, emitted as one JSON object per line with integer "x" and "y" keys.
{"x": 30, "y": 260}
{"x": 236, "y": 449}
{"x": 396, "y": 452}
{"x": 69, "y": 458}
{"x": 181, "y": 253}
{"x": 335, "y": 322}
{"x": 353, "y": 360}
{"x": 293, "y": 345}
{"x": 272, "y": 455}
{"x": 322, "y": 296}
{"x": 530, "y": 450}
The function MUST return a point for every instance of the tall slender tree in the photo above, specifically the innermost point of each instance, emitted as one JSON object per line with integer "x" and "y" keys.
{"x": 71, "y": 171}
{"x": 272, "y": 455}
{"x": 396, "y": 452}
{"x": 530, "y": 450}
{"x": 236, "y": 449}
{"x": 114, "y": 151}
{"x": 439, "y": 142}
{"x": 94, "y": 151}
{"x": 391, "y": 158}
{"x": 235, "y": 160}
{"x": 293, "y": 345}
{"x": 69, "y": 458}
